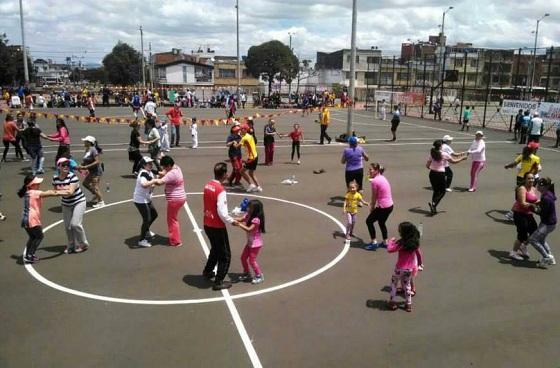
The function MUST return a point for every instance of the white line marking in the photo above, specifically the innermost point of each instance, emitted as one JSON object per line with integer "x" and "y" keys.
{"x": 326, "y": 267}
{"x": 229, "y": 302}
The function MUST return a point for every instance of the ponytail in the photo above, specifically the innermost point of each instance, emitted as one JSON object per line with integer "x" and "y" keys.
{"x": 378, "y": 167}
{"x": 28, "y": 179}
{"x": 435, "y": 152}
{"x": 99, "y": 149}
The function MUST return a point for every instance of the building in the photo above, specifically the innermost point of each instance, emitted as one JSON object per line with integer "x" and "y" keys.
{"x": 548, "y": 74}
{"x": 175, "y": 69}
{"x": 225, "y": 75}
{"x": 47, "y": 72}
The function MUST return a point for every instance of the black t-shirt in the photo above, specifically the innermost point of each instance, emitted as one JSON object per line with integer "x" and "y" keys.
{"x": 32, "y": 136}
{"x": 135, "y": 138}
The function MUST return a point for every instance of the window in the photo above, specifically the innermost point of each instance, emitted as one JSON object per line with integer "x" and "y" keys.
{"x": 471, "y": 77}
{"x": 226, "y": 73}
{"x": 402, "y": 76}
{"x": 372, "y": 60}
{"x": 458, "y": 63}
{"x": 474, "y": 63}
{"x": 347, "y": 58}
{"x": 184, "y": 74}
{"x": 370, "y": 77}
{"x": 357, "y": 59}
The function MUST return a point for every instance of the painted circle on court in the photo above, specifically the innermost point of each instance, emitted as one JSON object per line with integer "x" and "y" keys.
{"x": 45, "y": 281}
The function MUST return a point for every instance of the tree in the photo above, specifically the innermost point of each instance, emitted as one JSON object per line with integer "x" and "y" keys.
{"x": 95, "y": 75}
{"x": 305, "y": 72}
{"x": 123, "y": 65}
{"x": 11, "y": 66}
{"x": 272, "y": 60}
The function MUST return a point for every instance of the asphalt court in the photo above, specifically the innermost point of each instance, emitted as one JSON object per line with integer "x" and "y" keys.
{"x": 474, "y": 307}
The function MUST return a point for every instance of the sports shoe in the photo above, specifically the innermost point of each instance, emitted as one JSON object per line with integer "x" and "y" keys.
{"x": 28, "y": 260}
{"x": 551, "y": 259}
{"x": 245, "y": 277}
{"x": 150, "y": 234}
{"x": 144, "y": 243}
{"x": 471, "y": 190}
{"x": 258, "y": 189}
{"x": 2, "y": 217}
{"x": 81, "y": 248}
{"x": 382, "y": 245}
{"x": 515, "y": 255}
{"x": 509, "y": 215}
{"x": 69, "y": 250}
{"x": 408, "y": 307}
{"x": 251, "y": 188}
{"x": 298, "y": 162}
{"x": 372, "y": 246}
{"x": 99, "y": 204}
{"x": 258, "y": 279}
{"x": 448, "y": 189}
{"x": 523, "y": 251}
{"x": 543, "y": 262}
{"x": 220, "y": 285}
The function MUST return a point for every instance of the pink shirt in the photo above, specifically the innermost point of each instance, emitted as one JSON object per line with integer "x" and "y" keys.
{"x": 530, "y": 197}
{"x": 383, "y": 189}
{"x": 254, "y": 237}
{"x": 439, "y": 166}
{"x": 174, "y": 184}
{"x": 61, "y": 136}
{"x": 32, "y": 202}
{"x": 408, "y": 259}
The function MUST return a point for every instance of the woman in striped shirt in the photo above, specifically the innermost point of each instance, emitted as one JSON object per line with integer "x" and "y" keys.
{"x": 172, "y": 178}
{"x": 73, "y": 206}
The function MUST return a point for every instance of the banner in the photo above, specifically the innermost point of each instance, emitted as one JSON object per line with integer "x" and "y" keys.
{"x": 403, "y": 98}
{"x": 512, "y": 107}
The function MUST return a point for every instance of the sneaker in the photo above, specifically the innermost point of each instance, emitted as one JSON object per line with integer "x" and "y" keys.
{"x": 2, "y": 217}
{"x": 25, "y": 159}
{"x": 144, "y": 243}
{"x": 251, "y": 188}
{"x": 69, "y": 250}
{"x": 551, "y": 260}
{"x": 298, "y": 162}
{"x": 81, "y": 248}
{"x": 99, "y": 204}
{"x": 372, "y": 246}
{"x": 523, "y": 251}
{"x": 220, "y": 285}
{"x": 515, "y": 255}
{"x": 150, "y": 234}
{"x": 543, "y": 262}
{"x": 448, "y": 189}
{"x": 258, "y": 279}
{"x": 245, "y": 277}
{"x": 258, "y": 189}
{"x": 471, "y": 190}
{"x": 509, "y": 215}
{"x": 382, "y": 245}
{"x": 408, "y": 307}
{"x": 28, "y": 260}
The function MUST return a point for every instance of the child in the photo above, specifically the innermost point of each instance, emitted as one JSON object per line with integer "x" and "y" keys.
{"x": 466, "y": 118}
{"x": 253, "y": 224}
{"x": 408, "y": 263}
{"x": 194, "y": 133}
{"x": 297, "y": 138}
{"x": 31, "y": 219}
{"x": 163, "y": 130}
{"x": 351, "y": 200}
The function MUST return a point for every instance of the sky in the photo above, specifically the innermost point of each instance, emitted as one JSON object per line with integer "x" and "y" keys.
{"x": 88, "y": 30}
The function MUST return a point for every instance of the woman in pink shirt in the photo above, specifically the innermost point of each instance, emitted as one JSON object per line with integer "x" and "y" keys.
{"x": 62, "y": 136}
{"x": 31, "y": 218}
{"x": 172, "y": 178}
{"x": 477, "y": 151}
{"x": 410, "y": 258}
{"x": 436, "y": 164}
{"x": 381, "y": 205}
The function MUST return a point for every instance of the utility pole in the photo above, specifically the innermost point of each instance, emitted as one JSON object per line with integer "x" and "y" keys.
{"x": 238, "y": 56}
{"x": 150, "y": 68}
{"x": 142, "y": 48}
{"x": 534, "y": 54}
{"x": 24, "y": 50}
{"x": 352, "y": 69}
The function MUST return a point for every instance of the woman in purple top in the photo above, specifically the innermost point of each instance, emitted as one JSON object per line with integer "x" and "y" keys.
{"x": 547, "y": 211}
{"x": 352, "y": 157}
{"x": 381, "y": 205}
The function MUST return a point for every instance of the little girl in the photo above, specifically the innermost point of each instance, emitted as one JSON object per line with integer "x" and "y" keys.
{"x": 194, "y": 133}
{"x": 31, "y": 219}
{"x": 408, "y": 263}
{"x": 253, "y": 224}
{"x": 163, "y": 130}
{"x": 297, "y": 137}
{"x": 351, "y": 201}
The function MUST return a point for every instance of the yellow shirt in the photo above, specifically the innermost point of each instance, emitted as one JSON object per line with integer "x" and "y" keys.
{"x": 352, "y": 200}
{"x": 248, "y": 142}
{"x": 529, "y": 165}
{"x": 325, "y": 117}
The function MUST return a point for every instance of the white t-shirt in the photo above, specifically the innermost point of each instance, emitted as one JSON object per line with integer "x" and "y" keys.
{"x": 445, "y": 148}
{"x": 141, "y": 194}
{"x": 536, "y": 124}
{"x": 194, "y": 129}
{"x": 477, "y": 150}
{"x": 150, "y": 108}
{"x": 154, "y": 133}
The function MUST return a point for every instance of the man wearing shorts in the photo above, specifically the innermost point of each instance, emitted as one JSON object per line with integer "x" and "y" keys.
{"x": 251, "y": 161}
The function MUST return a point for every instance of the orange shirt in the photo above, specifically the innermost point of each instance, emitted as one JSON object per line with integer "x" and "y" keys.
{"x": 10, "y": 131}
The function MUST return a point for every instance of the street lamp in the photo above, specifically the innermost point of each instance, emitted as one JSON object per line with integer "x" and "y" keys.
{"x": 25, "y": 71}
{"x": 442, "y": 45}
{"x": 535, "y": 53}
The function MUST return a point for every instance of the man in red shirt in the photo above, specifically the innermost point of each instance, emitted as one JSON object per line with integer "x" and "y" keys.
{"x": 215, "y": 217}
{"x": 175, "y": 115}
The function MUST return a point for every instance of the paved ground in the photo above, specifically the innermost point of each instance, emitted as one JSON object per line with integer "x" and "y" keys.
{"x": 474, "y": 307}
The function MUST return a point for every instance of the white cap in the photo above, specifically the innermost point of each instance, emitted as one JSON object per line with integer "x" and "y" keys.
{"x": 236, "y": 123}
{"x": 536, "y": 113}
{"x": 479, "y": 132}
{"x": 447, "y": 138}
{"x": 147, "y": 160}
{"x": 89, "y": 138}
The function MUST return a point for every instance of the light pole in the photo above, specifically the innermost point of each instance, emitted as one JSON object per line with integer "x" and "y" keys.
{"x": 535, "y": 54}
{"x": 351, "y": 93}
{"x": 25, "y": 71}
{"x": 442, "y": 48}
{"x": 238, "y": 57}
{"x": 142, "y": 49}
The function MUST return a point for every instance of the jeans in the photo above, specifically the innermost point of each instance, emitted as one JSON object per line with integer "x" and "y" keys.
{"x": 19, "y": 153}
{"x": 538, "y": 239}
{"x": 36, "y": 153}
{"x": 35, "y": 237}
{"x": 175, "y": 134}
{"x": 295, "y": 148}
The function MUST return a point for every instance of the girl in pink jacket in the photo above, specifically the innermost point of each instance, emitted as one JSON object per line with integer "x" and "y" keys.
{"x": 410, "y": 258}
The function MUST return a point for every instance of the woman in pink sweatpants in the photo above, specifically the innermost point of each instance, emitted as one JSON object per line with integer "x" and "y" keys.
{"x": 477, "y": 151}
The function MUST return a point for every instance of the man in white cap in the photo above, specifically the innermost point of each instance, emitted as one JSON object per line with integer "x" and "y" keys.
{"x": 536, "y": 127}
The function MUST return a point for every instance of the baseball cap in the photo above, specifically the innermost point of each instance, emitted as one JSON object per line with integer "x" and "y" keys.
{"x": 146, "y": 160}
{"x": 533, "y": 145}
{"x": 89, "y": 138}
{"x": 353, "y": 141}
{"x": 479, "y": 132}
{"x": 35, "y": 180}
{"x": 447, "y": 138}
{"x": 236, "y": 123}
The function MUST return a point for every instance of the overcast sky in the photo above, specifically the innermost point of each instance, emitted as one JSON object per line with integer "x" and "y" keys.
{"x": 89, "y": 29}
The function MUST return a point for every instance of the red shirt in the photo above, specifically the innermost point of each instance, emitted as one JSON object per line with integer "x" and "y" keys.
{"x": 10, "y": 131}
{"x": 296, "y": 135}
{"x": 174, "y": 116}
{"x": 211, "y": 191}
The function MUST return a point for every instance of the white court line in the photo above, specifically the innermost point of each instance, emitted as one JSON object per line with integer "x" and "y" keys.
{"x": 227, "y": 297}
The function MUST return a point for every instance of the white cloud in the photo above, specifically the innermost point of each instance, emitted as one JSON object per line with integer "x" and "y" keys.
{"x": 57, "y": 29}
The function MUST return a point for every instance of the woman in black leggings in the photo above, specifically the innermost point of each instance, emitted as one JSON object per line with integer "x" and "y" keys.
{"x": 436, "y": 165}
{"x": 381, "y": 205}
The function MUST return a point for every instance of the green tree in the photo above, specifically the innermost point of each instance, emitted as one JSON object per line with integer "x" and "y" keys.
{"x": 272, "y": 60}
{"x": 11, "y": 67}
{"x": 95, "y": 75}
{"x": 123, "y": 65}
